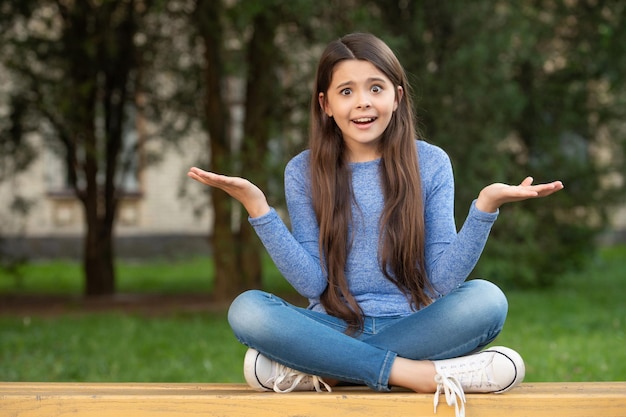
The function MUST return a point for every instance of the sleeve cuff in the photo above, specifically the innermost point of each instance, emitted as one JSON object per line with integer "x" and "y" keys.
{"x": 264, "y": 219}
{"x": 482, "y": 215}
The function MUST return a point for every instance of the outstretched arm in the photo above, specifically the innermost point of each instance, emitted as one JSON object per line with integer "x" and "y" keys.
{"x": 495, "y": 195}
{"x": 301, "y": 268}
{"x": 451, "y": 255}
{"x": 240, "y": 189}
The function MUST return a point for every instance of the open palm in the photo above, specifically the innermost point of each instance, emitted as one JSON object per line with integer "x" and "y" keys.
{"x": 495, "y": 195}
{"x": 240, "y": 189}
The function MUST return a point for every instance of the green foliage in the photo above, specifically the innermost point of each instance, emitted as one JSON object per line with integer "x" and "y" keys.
{"x": 517, "y": 89}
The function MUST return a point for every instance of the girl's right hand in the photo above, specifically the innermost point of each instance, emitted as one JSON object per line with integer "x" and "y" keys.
{"x": 240, "y": 189}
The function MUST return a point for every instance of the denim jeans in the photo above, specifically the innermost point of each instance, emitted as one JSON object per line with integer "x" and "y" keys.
{"x": 463, "y": 321}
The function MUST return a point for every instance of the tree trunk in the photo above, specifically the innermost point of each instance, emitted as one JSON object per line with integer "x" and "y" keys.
{"x": 238, "y": 251}
{"x": 99, "y": 72}
{"x": 98, "y": 247}
{"x": 226, "y": 266}
{"x": 98, "y": 265}
{"x": 262, "y": 92}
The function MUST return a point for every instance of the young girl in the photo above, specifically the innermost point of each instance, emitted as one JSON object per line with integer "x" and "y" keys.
{"x": 375, "y": 249}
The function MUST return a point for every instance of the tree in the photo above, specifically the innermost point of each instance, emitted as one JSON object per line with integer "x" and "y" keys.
{"x": 78, "y": 64}
{"x": 237, "y": 250}
{"x": 16, "y": 155}
{"x": 566, "y": 68}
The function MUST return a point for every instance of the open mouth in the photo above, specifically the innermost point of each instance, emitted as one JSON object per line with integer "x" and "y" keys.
{"x": 364, "y": 120}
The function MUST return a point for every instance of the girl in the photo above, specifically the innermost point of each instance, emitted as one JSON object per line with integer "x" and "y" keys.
{"x": 374, "y": 248}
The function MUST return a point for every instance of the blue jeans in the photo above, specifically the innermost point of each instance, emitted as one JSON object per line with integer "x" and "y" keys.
{"x": 465, "y": 320}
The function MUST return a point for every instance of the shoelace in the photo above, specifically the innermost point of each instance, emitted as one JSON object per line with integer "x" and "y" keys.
{"x": 453, "y": 391}
{"x": 477, "y": 377}
{"x": 284, "y": 374}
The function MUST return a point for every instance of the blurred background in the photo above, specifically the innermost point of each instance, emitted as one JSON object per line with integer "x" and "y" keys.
{"x": 115, "y": 266}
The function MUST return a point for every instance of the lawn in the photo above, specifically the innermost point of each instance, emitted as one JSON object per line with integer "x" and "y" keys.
{"x": 64, "y": 277}
{"x": 574, "y": 332}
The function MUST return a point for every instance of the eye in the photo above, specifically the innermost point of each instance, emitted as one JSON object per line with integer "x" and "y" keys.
{"x": 345, "y": 92}
{"x": 376, "y": 89}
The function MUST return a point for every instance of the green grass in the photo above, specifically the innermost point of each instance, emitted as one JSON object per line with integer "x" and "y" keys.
{"x": 160, "y": 277}
{"x": 117, "y": 347}
{"x": 574, "y": 332}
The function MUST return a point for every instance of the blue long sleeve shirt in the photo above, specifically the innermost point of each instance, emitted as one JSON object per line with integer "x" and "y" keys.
{"x": 450, "y": 255}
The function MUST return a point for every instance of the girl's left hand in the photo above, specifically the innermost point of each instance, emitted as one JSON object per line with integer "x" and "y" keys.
{"x": 495, "y": 195}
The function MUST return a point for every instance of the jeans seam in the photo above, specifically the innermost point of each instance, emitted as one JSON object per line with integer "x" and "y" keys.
{"x": 383, "y": 377}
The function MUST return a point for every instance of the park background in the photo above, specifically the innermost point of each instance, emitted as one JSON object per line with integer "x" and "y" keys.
{"x": 115, "y": 267}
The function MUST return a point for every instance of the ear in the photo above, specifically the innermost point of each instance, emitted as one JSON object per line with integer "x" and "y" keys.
{"x": 399, "y": 97}
{"x": 323, "y": 105}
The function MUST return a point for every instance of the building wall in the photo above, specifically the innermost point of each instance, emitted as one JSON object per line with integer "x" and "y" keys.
{"x": 157, "y": 218}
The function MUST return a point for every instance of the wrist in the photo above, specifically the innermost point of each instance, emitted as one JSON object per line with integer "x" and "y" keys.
{"x": 258, "y": 210}
{"x": 486, "y": 204}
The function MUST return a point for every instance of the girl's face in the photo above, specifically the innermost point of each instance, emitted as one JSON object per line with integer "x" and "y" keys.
{"x": 361, "y": 99}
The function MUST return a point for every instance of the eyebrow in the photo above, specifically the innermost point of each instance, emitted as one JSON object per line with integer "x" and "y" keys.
{"x": 369, "y": 81}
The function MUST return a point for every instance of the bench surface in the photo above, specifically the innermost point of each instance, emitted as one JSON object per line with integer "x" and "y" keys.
{"x": 575, "y": 399}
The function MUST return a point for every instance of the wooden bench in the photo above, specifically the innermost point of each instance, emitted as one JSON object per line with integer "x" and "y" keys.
{"x": 17, "y": 399}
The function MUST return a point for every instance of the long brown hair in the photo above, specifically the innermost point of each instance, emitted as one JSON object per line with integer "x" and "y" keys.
{"x": 401, "y": 243}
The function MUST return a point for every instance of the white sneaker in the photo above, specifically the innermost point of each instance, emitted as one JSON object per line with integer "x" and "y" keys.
{"x": 496, "y": 369}
{"x": 263, "y": 374}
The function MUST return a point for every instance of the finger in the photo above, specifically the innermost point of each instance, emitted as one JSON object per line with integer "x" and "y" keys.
{"x": 211, "y": 177}
{"x": 203, "y": 174}
{"x": 197, "y": 170}
{"x": 553, "y": 188}
{"x": 201, "y": 180}
{"x": 527, "y": 182}
{"x": 528, "y": 193}
{"x": 544, "y": 190}
{"x": 194, "y": 176}
{"x": 556, "y": 185}
{"x": 207, "y": 178}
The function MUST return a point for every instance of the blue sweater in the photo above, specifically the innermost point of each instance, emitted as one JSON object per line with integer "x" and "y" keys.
{"x": 450, "y": 256}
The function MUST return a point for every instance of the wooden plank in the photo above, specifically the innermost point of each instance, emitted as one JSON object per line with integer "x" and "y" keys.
{"x": 593, "y": 399}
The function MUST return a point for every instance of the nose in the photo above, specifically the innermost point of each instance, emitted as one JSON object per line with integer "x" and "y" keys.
{"x": 363, "y": 101}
